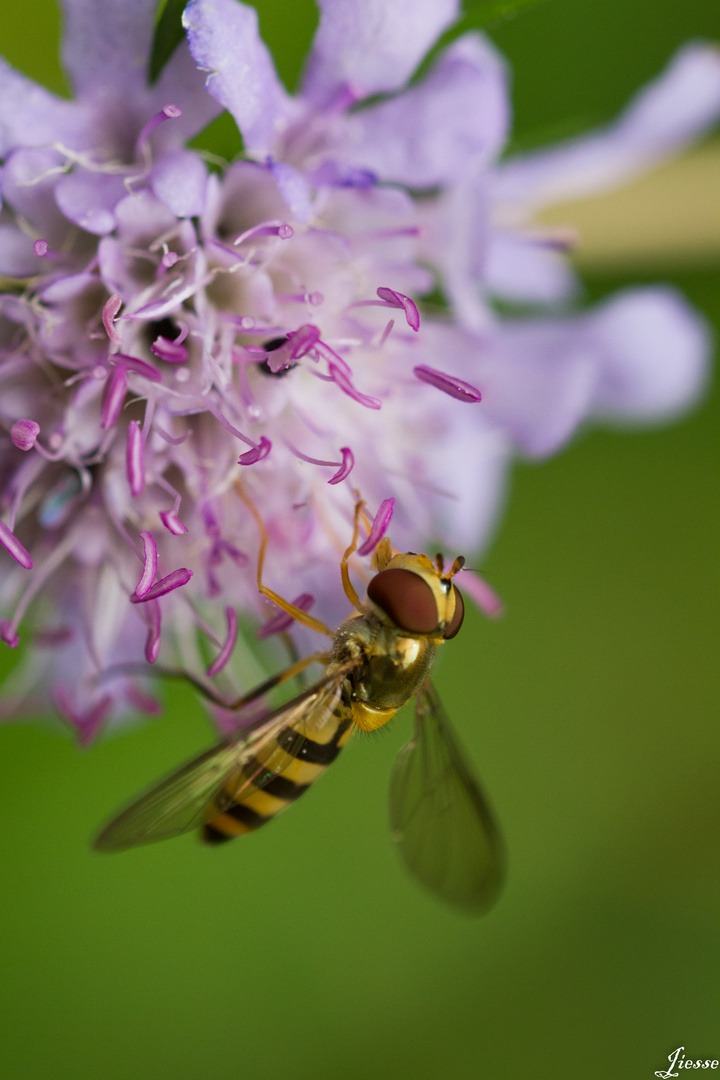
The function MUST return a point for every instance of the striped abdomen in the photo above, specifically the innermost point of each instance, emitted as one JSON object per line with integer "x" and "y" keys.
{"x": 279, "y": 773}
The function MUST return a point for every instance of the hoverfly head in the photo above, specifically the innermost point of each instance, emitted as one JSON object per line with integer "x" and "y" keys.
{"x": 417, "y": 596}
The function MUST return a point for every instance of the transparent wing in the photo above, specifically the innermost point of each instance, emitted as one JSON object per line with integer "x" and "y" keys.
{"x": 195, "y": 793}
{"x": 439, "y": 817}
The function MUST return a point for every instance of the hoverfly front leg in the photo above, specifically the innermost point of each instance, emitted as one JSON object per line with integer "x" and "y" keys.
{"x": 297, "y": 613}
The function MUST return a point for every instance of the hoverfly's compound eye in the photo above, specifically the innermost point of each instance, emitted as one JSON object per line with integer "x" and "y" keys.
{"x": 457, "y": 619}
{"x": 406, "y": 598}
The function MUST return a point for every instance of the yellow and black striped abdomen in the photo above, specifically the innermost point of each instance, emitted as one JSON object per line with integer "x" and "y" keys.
{"x": 279, "y": 773}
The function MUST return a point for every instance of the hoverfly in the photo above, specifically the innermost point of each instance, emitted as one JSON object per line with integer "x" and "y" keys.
{"x": 380, "y": 658}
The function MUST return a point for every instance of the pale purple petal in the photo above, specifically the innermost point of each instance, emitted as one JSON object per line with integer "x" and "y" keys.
{"x": 106, "y": 45}
{"x": 482, "y": 594}
{"x": 31, "y": 116}
{"x": 28, "y": 180}
{"x": 371, "y": 46}
{"x": 89, "y": 200}
{"x": 521, "y": 268}
{"x": 17, "y": 254}
{"x": 224, "y": 40}
{"x": 182, "y": 82}
{"x": 539, "y": 379}
{"x": 655, "y": 355}
{"x": 457, "y": 115}
{"x": 665, "y": 117}
{"x": 294, "y": 189}
{"x": 179, "y": 180}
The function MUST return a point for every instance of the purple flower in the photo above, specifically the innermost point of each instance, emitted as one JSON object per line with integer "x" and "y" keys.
{"x": 174, "y": 343}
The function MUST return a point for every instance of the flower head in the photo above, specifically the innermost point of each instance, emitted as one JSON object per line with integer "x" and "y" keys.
{"x": 178, "y": 346}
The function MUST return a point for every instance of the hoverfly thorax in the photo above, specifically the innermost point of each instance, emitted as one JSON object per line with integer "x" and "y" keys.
{"x": 414, "y": 607}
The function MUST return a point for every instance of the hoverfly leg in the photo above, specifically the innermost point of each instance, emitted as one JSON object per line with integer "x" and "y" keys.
{"x": 276, "y": 680}
{"x": 344, "y": 571}
{"x": 297, "y": 613}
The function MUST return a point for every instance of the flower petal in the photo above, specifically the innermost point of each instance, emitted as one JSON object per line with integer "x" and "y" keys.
{"x": 666, "y": 115}
{"x": 655, "y": 355}
{"x": 433, "y": 131}
{"x": 31, "y": 116}
{"x": 182, "y": 83}
{"x": 89, "y": 200}
{"x": 106, "y": 45}
{"x": 224, "y": 40}
{"x": 371, "y": 46}
{"x": 180, "y": 180}
{"x": 522, "y": 268}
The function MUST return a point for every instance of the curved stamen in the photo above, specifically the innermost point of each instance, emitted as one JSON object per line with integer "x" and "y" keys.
{"x": 348, "y": 461}
{"x": 168, "y": 112}
{"x": 172, "y": 522}
{"x": 151, "y": 560}
{"x": 283, "y": 621}
{"x": 24, "y": 434}
{"x": 400, "y": 300}
{"x": 139, "y": 367}
{"x": 135, "y": 458}
{"x": 110, "y": 310}
{"x": 165, "y": 585}
{"x": 391, "y": 298}
{"x": 378, "y": 527}
{"x": 302, "y": 340}
{"x": 258, "y": 452}
{"x": 266, "y": 228}
{"x": 172, "y": 352}
{"x": 113, "y": 397}
{"x": 9, "y": 634}
{"x": 12, "y": 545}
{"x": 228, "y": 645}
{"x": 341, "y": 379}
{"x": 88, "y": 723}
{"x": 152, "y": 641}
{"x": 449, "y": 384}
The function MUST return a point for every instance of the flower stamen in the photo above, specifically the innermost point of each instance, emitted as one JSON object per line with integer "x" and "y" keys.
{"x": 378, "y": 527}
{"x": 228, "y": 645}
{"x": 449, "y": 384}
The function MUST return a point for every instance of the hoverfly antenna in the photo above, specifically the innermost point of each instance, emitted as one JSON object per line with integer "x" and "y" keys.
{"x": 457, "y": 566}
{"x": 440, "y": 563}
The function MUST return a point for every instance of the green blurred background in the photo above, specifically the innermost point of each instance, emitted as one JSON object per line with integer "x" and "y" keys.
{"x": 591, "y": 710}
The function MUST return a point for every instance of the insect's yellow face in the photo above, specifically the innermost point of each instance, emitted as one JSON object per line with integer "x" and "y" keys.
{"x": 416, "y": 595}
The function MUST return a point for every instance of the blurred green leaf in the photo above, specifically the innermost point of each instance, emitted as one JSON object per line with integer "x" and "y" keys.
{"x": 168, "y": 35}
{"x": 478, "y": 15}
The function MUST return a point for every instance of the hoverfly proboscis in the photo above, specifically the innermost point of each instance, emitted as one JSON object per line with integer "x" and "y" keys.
{"x": 380, "y": 658}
